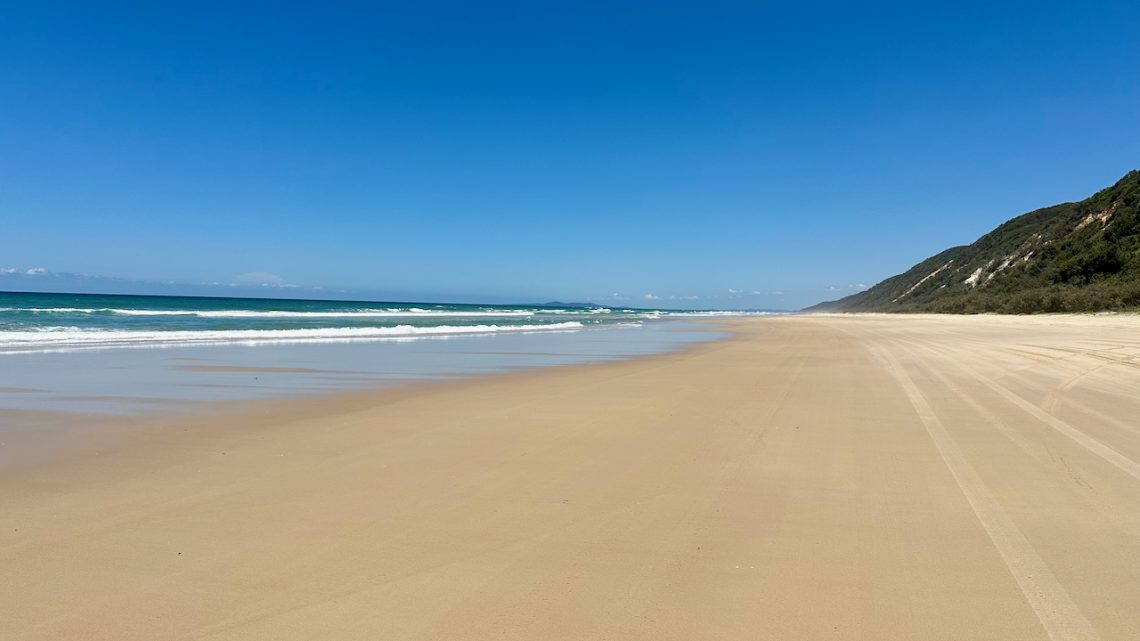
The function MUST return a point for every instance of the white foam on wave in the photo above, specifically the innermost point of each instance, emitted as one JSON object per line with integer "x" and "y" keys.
{"x": 251, "y": 313}
{"x": 392, "y": 312}
{"x": 54, "y": 338}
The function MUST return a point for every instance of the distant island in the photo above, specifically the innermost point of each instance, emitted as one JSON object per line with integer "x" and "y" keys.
{"x": 558, "y": 303}
{"x": 1072, "y": 257}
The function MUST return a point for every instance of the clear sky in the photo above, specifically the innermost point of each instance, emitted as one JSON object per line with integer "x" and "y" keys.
{"x": 481, "y": 151}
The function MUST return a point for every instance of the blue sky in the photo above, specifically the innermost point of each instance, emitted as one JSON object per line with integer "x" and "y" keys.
{"x": 760, "y": 155}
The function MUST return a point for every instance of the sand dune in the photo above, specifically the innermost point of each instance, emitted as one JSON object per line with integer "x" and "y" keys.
{"x": 861, "y": 477}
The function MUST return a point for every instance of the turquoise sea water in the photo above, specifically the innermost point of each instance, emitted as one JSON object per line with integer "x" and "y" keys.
{"x": 52, "y": 322}
{"x": 65, "y": 353}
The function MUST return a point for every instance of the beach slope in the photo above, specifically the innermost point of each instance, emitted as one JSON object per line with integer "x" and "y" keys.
{"x": 816, "y": 477}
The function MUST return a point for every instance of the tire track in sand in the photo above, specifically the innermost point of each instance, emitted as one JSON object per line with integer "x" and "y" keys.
{"x": 1120, "y": 461}
{"x": 1055, "y": 609}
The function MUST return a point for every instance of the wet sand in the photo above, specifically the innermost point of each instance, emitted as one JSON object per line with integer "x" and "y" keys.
{"x": 261, "y": 370}
{"x": 861, "y": 477}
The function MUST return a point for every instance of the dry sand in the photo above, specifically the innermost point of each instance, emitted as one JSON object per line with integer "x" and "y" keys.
{"x": 814, "y": 478}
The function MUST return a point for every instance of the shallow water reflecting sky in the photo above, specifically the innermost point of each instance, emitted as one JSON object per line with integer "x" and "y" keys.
{"x": 155, "y": 379}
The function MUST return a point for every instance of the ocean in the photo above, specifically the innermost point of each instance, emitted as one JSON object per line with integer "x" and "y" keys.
{"x": 108, "y": 354}
{"x": 31, "y": 322}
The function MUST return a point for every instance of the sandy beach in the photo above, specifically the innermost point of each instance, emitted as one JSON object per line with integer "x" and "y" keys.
{"x": 813, "y": 477}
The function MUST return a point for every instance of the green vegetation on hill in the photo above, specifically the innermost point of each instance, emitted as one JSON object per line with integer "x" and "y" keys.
{"x": 1073, "y": 257}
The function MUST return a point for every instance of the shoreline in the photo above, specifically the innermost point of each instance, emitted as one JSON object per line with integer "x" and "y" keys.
{"x": 812, "y": 476}
{"x": 151, "y": 381}
{"x": 73, "y": 436}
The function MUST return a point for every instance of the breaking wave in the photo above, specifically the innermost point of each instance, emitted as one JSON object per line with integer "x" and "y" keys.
{"x": 73, "y": 337}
